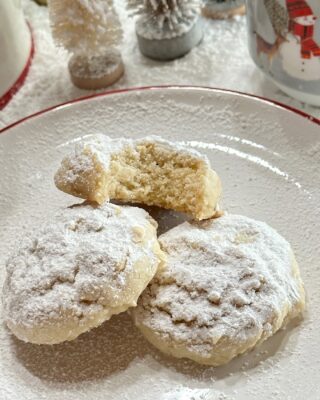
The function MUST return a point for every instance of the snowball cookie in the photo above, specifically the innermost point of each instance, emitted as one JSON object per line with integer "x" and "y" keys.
{"x": 79, "y": 269}
{"x": 151, "y": 171}
{"x": 230, "y": 283}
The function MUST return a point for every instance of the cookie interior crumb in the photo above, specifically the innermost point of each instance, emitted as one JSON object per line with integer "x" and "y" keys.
{"x": 149, "y": 171}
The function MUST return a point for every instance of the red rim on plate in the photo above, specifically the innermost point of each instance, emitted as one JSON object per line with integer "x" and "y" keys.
{"x": 117, "y": 91}
{"x": 4, "y": 100}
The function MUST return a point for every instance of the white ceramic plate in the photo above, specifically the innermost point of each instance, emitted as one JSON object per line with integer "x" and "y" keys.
{"x": 269, "y": 160}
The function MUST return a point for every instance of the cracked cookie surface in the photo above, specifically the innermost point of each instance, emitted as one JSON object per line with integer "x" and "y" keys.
{"x": 149, "y": 170}
{"x": 86, "y": 264}
{"x": 230, "y": 283}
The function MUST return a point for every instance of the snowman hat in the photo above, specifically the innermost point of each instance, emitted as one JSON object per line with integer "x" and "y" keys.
{"x": 298, "y": 8}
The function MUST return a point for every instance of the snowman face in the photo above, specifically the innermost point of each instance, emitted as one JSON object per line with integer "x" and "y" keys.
{"x": 307, "y": 20}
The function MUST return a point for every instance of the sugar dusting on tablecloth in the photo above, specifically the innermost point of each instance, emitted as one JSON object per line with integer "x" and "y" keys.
{"x": 221, "y": 60}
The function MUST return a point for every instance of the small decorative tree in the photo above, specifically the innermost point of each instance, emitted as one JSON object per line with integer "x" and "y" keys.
{"x": 89, "y": 30}
{"x": 167, "y": 29}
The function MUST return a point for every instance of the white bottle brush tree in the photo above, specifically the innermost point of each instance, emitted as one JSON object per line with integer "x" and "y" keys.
{"x": 167, "y": 29}
{"x": 90, "y": 30}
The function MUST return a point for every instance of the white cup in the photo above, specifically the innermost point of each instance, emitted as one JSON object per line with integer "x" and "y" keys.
{"x": 284, "y": 42}
{"x": 16, "y": 49}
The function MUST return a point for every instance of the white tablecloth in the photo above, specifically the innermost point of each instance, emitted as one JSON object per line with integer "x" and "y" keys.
{"x": 221, "y": 60}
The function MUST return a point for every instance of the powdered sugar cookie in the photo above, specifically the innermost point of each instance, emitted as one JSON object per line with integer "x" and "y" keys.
{"x": 79, "y": 269}
{"x": 230, "y": 283}
{"x": 151, "y": 171}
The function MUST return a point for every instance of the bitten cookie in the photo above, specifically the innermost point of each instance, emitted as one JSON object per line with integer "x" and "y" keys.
{"x": 79, "y": 269}
{"x": 151, "y": 171}
{"x": 230, "y": 283}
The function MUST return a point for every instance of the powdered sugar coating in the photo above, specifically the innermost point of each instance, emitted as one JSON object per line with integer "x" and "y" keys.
{"x": 103, "y": 148}
{"x": 231, "y": 283}
{"x": 85, "y": 265}
{"x": 81, "y": 159}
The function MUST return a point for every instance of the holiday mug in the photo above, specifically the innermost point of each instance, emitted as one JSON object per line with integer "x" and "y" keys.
{"x": 284, "y": 42}
{"x": 15, "y": 49}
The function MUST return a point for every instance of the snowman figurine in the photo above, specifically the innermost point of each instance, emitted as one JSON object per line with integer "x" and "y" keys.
{"x": 301, "y": 53}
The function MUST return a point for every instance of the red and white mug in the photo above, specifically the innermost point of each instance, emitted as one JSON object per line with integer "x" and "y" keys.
{"x": 284, "y": 41}
{"x": 16, "y": 49}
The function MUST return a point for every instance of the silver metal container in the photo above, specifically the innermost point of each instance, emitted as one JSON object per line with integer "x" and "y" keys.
{"x": 171, "y": 46}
